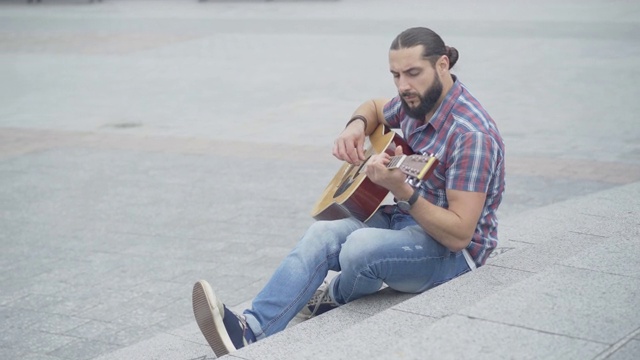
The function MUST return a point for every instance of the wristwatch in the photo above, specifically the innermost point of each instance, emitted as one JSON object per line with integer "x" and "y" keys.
{"x": 406, "y": 205}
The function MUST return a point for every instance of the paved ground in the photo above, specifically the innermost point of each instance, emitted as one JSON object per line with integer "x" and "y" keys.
{"x": 147, "y": 144}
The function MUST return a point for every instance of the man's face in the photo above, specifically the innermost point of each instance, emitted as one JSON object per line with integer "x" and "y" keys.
{"x": 417, "y": 81}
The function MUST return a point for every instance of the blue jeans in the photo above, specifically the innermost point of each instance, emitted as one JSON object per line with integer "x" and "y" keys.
{"x": 389, "y": 248}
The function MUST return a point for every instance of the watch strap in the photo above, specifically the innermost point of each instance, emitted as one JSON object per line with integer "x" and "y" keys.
{"x": 414, "y": 197}
{"x": 406, "y": 205}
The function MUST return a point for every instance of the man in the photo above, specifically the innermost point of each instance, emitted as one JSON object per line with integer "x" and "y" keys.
{"x": 444, "y": 228}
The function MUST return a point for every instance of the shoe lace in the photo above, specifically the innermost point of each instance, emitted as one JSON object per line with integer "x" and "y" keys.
{"x": 319, "y": 297}
{"x": 243, "y": 324}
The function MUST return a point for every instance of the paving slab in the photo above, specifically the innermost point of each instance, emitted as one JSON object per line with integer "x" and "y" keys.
{"x": 601, "y": 214}
{"x": 552, "y": 248}
{"x": 628, "y": 351}
{"x": 374, "y": 337}
{"x": 288, "y": 343}
{"x": 162, "y": 346}
{"x": 582, "y": 304}
{"x": 621, "y": 258}
{"x": 474, "y": 338}
{"x": 447, "y": 300}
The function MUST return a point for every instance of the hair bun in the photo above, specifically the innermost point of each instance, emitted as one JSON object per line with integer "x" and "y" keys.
{"x": 452, "y": 54}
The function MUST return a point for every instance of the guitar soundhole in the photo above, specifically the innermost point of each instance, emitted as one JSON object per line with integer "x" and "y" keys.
{"x": 343, "y": 187}
{"x": 348, "y": 180}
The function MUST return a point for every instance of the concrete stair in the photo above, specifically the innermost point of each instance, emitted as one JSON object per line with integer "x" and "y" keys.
{"x": 561, "y": 285}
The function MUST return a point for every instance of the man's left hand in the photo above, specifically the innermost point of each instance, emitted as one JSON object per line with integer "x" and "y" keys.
{"x": 377, "y": 171}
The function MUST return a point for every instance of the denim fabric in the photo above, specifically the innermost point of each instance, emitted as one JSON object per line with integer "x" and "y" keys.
{"x": 389, "y": 248}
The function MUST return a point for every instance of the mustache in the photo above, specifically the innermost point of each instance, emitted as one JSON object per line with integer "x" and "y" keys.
{"x": 408, "y": 93}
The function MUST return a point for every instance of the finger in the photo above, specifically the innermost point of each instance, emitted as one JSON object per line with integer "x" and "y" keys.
{"x": 340, "y": 152}
{"x": 399, "y": 150}
{"x": 382, "y": 160}
{"x": 346, "y": 152}
{"x": 360, "y": 148}
{"x": 334, "y": 151}
{"x": 352, "y": 153}
{"x": 368, "y": 170}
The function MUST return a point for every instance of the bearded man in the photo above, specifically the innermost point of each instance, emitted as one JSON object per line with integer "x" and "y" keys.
{"x": 442, "y": 228}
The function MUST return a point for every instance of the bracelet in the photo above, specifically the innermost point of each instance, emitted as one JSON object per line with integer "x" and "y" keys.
{"x": 358, "y": 117}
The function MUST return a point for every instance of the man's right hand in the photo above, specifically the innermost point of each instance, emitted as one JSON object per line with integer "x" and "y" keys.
{"x": 349, "y": 146}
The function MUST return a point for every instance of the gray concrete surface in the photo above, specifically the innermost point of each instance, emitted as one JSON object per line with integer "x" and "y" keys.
{"x": 147, "y": 144}
{"x": 577, "y": 304}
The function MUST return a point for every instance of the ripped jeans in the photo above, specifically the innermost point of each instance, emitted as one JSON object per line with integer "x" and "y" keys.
{"x": 389, "y": 248}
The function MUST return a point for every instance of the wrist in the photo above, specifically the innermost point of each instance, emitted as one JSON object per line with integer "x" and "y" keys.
{"x": 405, "y": 204}
{"x": 404, "y": 192}
{"x": 357, "y": 118}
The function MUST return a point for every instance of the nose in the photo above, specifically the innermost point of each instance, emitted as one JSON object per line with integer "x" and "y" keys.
{"x": 402, "y": 84}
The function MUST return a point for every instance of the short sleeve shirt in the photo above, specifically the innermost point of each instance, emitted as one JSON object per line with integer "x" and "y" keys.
{"x": 468, "y": 145}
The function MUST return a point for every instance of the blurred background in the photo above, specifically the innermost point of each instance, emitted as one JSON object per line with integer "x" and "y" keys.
{"x": 145, "y": 144}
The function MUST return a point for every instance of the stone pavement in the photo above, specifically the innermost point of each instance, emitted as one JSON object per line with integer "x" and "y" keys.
{"x": 563, "y": 285}
{"x": 147, "y": 144}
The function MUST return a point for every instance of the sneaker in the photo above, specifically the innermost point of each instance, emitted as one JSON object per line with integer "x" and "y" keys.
{"x": 224, "y": 331}
{"x": 320, "y": 303}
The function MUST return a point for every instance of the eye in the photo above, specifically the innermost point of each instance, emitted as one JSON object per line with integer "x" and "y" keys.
{"x": 414, "y": 73}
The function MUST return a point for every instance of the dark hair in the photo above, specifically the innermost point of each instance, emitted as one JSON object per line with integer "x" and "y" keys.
{"x": 430, "y": 41}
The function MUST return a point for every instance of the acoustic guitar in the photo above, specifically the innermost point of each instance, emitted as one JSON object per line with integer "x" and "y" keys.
{"x": 351, "y": 193}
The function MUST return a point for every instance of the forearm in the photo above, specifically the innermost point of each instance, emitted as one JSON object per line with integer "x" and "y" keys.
{"x": 372, "y": 112}
{"x": 452, "y": 227}
{"x": 444, "y": 225}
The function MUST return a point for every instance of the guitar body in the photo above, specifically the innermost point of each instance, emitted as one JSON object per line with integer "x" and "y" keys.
{"x": 350, "y": 192}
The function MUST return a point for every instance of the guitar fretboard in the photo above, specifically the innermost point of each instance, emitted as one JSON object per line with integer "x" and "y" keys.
{"x": 396, "y": 161}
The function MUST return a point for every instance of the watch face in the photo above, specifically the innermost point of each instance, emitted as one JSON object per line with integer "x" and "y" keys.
{"x": 404, "y": 206}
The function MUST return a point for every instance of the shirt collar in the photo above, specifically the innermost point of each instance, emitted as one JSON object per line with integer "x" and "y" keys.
{"x": 440, "y": 116}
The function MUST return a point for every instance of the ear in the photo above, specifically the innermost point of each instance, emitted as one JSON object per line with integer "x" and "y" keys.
{"x": 443, "y": 63}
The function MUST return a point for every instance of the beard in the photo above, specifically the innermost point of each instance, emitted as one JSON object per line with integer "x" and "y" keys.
{"x": 428, "y": 100}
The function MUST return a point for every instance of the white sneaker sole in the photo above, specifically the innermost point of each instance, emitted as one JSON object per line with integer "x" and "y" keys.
{"x": 209, "y": 311}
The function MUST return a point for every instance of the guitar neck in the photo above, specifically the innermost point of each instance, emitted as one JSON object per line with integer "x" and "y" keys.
{"x": 396, "y": 162}
{"x": 415, "y": 166}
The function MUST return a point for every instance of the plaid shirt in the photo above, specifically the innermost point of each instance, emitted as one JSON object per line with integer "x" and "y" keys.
{"x": 470, "y": 151}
